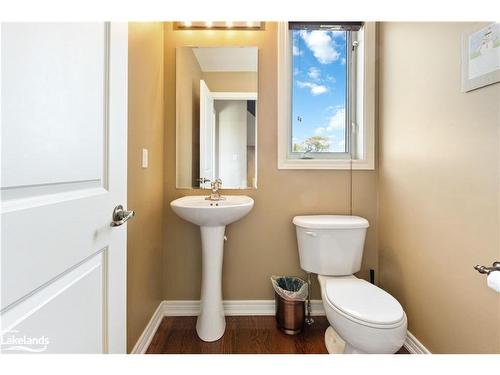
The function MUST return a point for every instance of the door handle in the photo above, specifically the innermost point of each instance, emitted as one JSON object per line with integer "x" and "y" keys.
{"x": 121, "y": 216}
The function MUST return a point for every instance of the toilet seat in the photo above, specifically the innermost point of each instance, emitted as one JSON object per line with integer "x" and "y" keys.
{"x": 363, "y": 302}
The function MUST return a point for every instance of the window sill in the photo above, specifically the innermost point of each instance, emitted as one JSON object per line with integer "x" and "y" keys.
{"x": 329, "y": 164}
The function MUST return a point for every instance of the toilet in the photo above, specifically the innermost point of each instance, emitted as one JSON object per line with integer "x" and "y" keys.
{"x": 363, "y": 318}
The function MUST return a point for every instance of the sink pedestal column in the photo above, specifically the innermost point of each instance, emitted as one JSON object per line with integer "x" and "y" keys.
{"x": 211, "y": 323}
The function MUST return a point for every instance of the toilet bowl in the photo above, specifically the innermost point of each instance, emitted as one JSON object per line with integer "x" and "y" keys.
{"x": 363, "y": 318}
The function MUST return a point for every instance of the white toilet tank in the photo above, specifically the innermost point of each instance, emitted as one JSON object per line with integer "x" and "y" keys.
{"x": 331, "y": 245}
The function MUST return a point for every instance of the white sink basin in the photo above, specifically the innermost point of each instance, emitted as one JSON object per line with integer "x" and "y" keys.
{"x": 212, "y": 217}
{"x": 197, "y": 210}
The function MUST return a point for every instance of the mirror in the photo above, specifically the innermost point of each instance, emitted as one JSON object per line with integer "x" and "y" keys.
{"x": 216, "y": 115}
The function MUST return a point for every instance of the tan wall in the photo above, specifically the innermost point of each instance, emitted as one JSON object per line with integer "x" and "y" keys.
{"x": 188, "y": 115}
{"x": 231, "y": 81}
{"x": 264, "y": 242}
{"x": 145, "y": 186}
{"x": 439, "y": 188}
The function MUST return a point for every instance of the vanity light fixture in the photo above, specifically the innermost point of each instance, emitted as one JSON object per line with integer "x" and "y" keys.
{"x": 219, "y": 25}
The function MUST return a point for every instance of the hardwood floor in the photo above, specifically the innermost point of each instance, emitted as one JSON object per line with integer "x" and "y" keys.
{"x": 244, "y": 335}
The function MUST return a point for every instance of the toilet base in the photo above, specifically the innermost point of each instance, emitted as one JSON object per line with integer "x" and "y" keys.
{"x": 333, "y": 342}
{"x": 336, "y": 345}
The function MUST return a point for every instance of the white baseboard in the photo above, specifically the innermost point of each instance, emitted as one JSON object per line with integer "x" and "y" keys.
{"x": 414, "y": 346}
{"x": 147, "y": 335}
{"x": 237, "y": 308}
{"x": 234, "y": 308}
{"x": 181, "y": 308}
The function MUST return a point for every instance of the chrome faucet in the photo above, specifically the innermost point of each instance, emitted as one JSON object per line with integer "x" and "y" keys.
{"x": 215, "y": 185}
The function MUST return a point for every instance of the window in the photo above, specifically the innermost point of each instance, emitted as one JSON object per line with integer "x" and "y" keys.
{"x": 326, "y": 96}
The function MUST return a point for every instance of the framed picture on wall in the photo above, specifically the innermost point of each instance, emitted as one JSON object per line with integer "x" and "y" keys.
{"x": 481, "y": 57}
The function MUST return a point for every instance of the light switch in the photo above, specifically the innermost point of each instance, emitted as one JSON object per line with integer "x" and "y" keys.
{"x": 145, "y": 158}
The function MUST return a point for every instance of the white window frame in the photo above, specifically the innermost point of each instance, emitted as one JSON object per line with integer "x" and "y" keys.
{"x": 362, "y": 131}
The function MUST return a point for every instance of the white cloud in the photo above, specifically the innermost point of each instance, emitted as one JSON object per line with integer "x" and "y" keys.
{"x": 318, "y": 89}
{"x": 332, "y": 108}
{"x": 337, "y": 121}
{"x": 314, "y": 73}
{"x": 338, "y": 145}
{"x": 295, "y": 50}
{"x": 322, "y": 45}
{"x": 314, "y": 87}
{"x": 331, "y": 78}
{"x": 338, "y": 34}
{"x": 296, "y": 71}
{"x": 343, "y": 61}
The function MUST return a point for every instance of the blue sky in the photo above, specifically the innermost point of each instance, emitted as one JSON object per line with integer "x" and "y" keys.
{"x": 319, "y": 84}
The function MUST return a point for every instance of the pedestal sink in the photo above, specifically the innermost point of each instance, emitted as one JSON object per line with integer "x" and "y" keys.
{"x": 212, "y": 217}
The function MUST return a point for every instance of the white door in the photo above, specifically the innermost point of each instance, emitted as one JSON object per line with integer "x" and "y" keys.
{"x": 63, "y": 159}
{"x": 207, "y": 134}
{"x": 232, "y": 150}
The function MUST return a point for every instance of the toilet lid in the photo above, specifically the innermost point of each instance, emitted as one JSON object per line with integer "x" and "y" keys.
{"x": 331, "y": 222}
{"x": 363, "y": 301}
